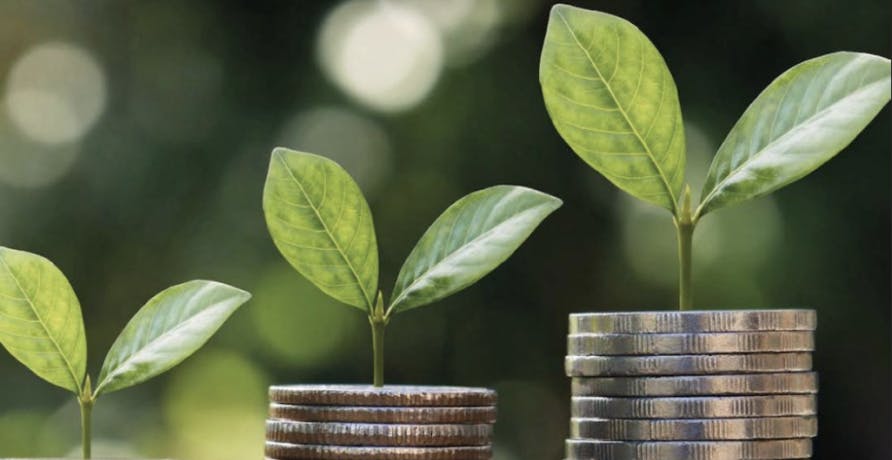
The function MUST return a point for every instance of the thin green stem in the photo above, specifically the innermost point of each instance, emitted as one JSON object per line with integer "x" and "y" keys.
{"x": 86, "y": 426}
{"x": 685, "y": 238}
{"x": 684, "y": 224}
{"x": 378, "y": 319}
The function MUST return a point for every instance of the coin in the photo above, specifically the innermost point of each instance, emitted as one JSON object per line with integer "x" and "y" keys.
{"x": 374, "y": 434}
{"x": 732, "y": 384}
{"x": 592, "y": 366}
{"x": 391, "y": 395}
{"x": 286, "y": 451}
{"x": 694, "y": 429}
{"x": 372, "y": 414}
{"x": 694, "y": 321}
{"x": 681, "y": 344}
{"x": 716, "y": 450}
{"x": 694, "y": 407}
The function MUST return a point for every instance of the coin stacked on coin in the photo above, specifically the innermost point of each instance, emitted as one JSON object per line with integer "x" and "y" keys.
{"x": 685, "y": 385}
{"x": 358, "y": 422}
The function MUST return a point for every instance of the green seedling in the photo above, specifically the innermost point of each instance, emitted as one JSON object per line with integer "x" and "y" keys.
{"x": 322, "y": 225}
{"x": 612, "y": 99}
{"x": 41, "y": 325}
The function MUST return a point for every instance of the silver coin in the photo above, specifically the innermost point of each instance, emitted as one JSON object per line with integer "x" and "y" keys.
{"x": 372, "y": 414}
{"x": 721, "y": 429}
{"x": 698, "y": 385}
{"x": 390, "y": 395}
{"x": 678, "y": 322}
{"x": 704, "y": 450}
{"x": 288, "y": 451}
{"x": 694, "y": 407}
{"x": 683, "y": 344}
{"x": 595, "y": 366}
{"x": 378, "y": 434}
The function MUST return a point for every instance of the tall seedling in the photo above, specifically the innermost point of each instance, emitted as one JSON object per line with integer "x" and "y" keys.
{"x": 322, "y": 225}
{"x": 612, "y": 99}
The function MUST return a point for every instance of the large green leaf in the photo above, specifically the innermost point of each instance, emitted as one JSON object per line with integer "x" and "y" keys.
{"x": 612, "y": 98}
{"x": 168, "y": 329}
{"x": 321, "y": 223}
{"x": 40, "y": 319}
{"x": 801, "y": 120}
{"x": 470, "y": 239}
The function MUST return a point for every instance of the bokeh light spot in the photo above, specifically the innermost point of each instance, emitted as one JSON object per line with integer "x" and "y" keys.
{"x": 215, "y": 406}
{"x": 298, "y": 324}
{"x": 384, "y": 54}
{"x": 26, "y": 163}
{"x": 357, "y": 143}
{"x": 55, "y": 93}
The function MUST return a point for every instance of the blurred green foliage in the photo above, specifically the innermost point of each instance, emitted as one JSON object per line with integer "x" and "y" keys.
{"x": 165, "y": 184}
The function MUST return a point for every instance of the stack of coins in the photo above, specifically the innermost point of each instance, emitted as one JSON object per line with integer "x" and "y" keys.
{"x": 347, "y": 422}
{"x": 710, "y": 385}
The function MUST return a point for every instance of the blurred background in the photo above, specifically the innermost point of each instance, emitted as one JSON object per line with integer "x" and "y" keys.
{"x": 134, "y": 142}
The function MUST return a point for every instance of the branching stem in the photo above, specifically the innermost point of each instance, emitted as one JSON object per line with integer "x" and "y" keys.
{"x": 378, "y": 319}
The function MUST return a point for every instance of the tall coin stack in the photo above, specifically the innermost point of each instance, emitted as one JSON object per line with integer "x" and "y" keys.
{"x": 710, "y": 385}
{"x": 358, "y": 422}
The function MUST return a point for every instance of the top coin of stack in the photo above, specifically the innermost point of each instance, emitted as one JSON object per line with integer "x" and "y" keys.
{"x": 394, "y": 422}
{"x": 680, "y": 385}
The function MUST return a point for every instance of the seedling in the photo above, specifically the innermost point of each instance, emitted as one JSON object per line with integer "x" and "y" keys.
{"x": 322, "y": 225}
{"x": 41, "y": 325}
{"x": 612, "y": 99}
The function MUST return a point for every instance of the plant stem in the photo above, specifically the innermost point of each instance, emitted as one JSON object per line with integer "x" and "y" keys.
{"x": 86, "y": 425}
{"x": 378, "y": 320}
{"x": 684, "y": 225}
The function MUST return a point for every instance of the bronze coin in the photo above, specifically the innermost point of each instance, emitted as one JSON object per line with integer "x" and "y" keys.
{"x": 286, "y": 451}
{"x": 391, "y": 395}
{"x": 378, "y": 434}
{"x": 372, "y": 414}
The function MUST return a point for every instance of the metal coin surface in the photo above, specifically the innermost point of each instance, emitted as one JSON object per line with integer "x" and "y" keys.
{"x": 372, "y": 414}
{"x": 698, "y": 385}
{"x": 704, "y": 450}
{"x": 377, "y": 434}
{"x": 694, "y": 407}
{"x": 390, "y": 395}
{"x": 287, "y": 451}
{"x": 586, "y": 344}
{"x": 594, "y": 366}
{"x": 676, "y": 322}
{"x": 694, "y": 429}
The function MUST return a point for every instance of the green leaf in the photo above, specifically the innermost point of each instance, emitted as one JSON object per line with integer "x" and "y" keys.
{"x": 321, "y": 223}
{"x": 800, "y": 121}
{"x": 470, "y": 239}
{"x": 612, "y": 98}
{"x": 41, "y": 323}
{"x": 168, "y": 329}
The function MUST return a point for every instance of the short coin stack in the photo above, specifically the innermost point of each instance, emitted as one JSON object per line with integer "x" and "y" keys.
{"x": 711, "y": 385}
{"x": 358, "y": 422}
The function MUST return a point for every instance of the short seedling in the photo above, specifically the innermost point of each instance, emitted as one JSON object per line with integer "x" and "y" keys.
{"x": 321, "y": 223}
{"x": 612, "y": 99}
{"x": 41, "y": 325}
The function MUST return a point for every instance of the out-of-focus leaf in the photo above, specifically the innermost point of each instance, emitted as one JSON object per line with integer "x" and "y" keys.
{"x": 168, "y": 329}
{"x": 612, "y": 98}
{"x": 40, "y": 319}
{"x": 321, "y": 223}
{"x": 470, "y": 239}
{"x": 800, "y": 121}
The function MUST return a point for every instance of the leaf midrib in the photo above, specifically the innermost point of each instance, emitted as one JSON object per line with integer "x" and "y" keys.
{"x": 163, "y": 336}
{"x": 719, "y": 185}
{"x": 457, "y": 250}
{"x": 43, "y": 324}
{"x": 622, "y": 111}
{"x": 328, "y": 232}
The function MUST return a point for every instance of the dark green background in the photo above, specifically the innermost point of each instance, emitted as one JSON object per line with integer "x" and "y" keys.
{"x": 167, "y": 187}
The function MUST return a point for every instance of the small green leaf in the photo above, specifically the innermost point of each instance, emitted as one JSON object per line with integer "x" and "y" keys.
{"x": 470, "y": 239}
{"x": 799, "y": 122}
{"x": 321, "y": 223}
{"x": 168, "y": 329}
{"x": 612, "y": 98}
{"x": 41, "y": 323}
